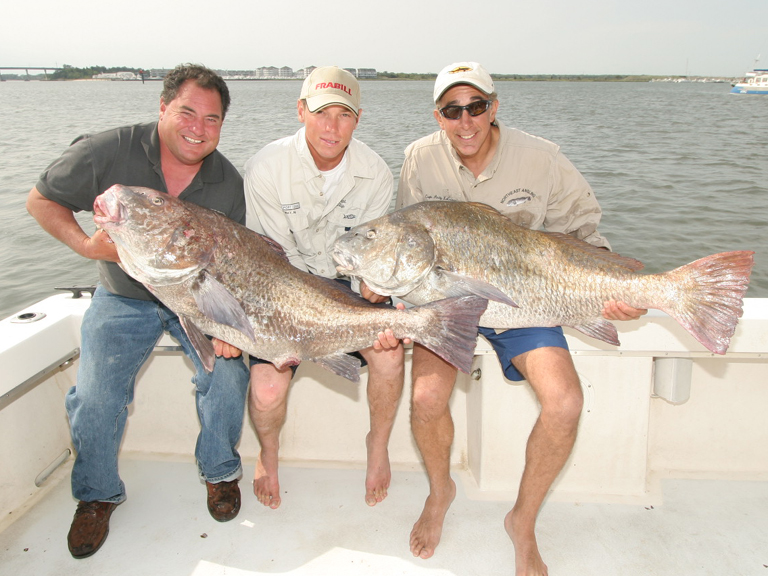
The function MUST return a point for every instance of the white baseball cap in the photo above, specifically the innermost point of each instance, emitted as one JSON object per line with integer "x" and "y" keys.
{"x": 330, "y": 85}
{"x": 470, "y": 73}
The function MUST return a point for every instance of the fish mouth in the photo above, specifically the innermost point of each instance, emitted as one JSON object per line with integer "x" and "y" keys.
{"x": 347, "y": 263}
{"x": 108, "y": 210}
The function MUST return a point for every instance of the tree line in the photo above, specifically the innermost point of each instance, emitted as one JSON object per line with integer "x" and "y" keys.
{"x": 528, "y": 77}
{"x": 72, "y": 73}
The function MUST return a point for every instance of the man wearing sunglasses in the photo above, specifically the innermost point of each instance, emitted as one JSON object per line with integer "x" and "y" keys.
{"x": 304, "y": 191}
{"x": 475, "y": 158}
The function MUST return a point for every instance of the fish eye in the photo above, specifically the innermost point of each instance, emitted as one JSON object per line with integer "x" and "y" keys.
{"x": 157, "y": 201}
{"x": 371, "y": 234}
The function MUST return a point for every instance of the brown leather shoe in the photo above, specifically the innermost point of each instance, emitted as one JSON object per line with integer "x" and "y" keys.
{"x": 89, "y": 528}
{"x": 223, "y": 500}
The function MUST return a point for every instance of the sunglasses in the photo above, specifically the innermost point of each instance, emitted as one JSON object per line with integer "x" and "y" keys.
{"x": 474, "y": 108}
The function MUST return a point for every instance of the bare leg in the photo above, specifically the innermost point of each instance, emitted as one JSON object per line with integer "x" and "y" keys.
{"x": 385, "y": 385}
{"x": 267, "y": 403}
{"x": 551, "y": 374}
{"x": 432, "y": 425}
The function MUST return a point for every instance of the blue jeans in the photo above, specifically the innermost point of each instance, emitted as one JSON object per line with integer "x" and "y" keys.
{"x": 118, "y": 335}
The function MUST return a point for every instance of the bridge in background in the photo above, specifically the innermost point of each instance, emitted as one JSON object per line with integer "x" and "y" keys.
{"x": 27, "y": 69}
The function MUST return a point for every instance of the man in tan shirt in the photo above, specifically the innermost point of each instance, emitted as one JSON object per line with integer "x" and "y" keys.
{"x": 476, "y": 158}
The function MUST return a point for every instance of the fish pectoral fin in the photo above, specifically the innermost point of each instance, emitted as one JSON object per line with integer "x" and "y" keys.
{"x": 285, "y": 362}
{"x": 461, "y": 285}
{"x": 342, "y": 364}
{"x": 200, "y": 342}
{"x": 218, "y": 304}
{"x": 600, "y": 329}
{"x": 606, "y": 256}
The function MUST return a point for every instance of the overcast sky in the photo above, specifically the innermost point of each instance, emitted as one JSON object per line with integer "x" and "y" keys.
{"x": 659, "y": 37}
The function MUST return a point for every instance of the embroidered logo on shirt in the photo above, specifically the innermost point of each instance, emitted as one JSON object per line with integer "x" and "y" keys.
{"x": 437, "y": 197}
{"x": 291, "y": 208}
{"x": 517, "y": 197}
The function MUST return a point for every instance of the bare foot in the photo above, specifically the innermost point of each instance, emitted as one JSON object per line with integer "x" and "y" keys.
{"x": 426, "y": 533}
{"x": 266, "y": 486}
{"x": 378, "y": 475}
{"x": 528, "y": 561}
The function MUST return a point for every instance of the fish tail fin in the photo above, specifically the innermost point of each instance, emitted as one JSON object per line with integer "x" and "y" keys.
{"x": 452, "y": 328}
{"x": 709, "y": 301}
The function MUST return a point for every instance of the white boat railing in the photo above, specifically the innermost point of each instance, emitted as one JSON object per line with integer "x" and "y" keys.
{"x": 658, "y": 404}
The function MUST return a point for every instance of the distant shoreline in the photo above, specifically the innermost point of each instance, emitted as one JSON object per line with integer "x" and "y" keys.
{"x": 431, "y": 78}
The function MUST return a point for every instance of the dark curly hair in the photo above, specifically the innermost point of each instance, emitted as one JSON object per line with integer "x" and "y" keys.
{"x": 203, "y": 77}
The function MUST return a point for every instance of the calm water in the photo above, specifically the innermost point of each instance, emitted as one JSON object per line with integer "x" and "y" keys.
{"x": 681, "y": 170}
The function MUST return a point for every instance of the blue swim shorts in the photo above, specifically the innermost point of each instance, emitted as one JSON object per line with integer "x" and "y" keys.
{"x": 514, "y": 342}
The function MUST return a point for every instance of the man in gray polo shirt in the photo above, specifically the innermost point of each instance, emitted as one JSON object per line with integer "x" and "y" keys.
{"x": 176, "y": 154}
{"x": 475, "y": 158}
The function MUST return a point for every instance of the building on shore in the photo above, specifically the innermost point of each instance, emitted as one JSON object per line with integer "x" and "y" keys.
{"x": 287, "y": 73}
{"x": 261, "y": 73}
{"x": 116, "y": 76}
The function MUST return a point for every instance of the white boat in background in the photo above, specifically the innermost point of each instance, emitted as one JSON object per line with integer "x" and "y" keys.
{"x": 669, "y": 474}
{"x": 755, "y": 82}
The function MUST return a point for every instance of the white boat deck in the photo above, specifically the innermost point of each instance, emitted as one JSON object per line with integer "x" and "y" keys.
{"x": 669, "y": 475}
{"x": 701, "y": 527}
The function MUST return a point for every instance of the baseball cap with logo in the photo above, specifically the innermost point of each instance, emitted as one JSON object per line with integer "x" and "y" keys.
{"x": 330, "y": 85}
{"x": 470, "y": 73}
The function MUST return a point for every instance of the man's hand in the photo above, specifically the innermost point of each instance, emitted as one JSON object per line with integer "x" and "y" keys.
{"x": 387, "y": 340}
{"x": 225, "y": 349}
{"x": 370, "y": 295}
{"x": 101, "y": 247}
{"x": 613, "y": 310}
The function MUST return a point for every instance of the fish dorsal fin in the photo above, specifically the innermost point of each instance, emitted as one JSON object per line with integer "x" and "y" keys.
{"x": 607, "y": 256}
{"x": 485, "y": 207}
{"x": 625, "y": 262}
{"x": 200, "y": 342}
{"x": 460, "y": 285}
{"x": 344, "y": 365}
{"x": 275, "y": 246}
{"x": 334, "y": 286}
{"x": 219, "y": 305}
{"x": 600, "y": 329}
